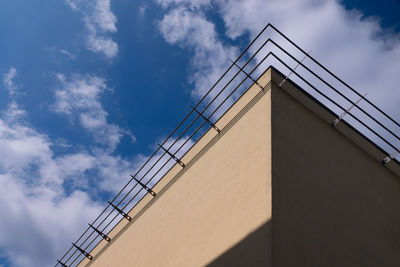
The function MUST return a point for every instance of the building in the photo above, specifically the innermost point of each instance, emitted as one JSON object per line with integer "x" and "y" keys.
{"x": 278, "y": 180}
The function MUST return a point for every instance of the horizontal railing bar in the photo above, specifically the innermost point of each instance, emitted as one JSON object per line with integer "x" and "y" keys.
{"x": 336, "y": 77}
{"x": 334, "y": 102}
{"x": 337, "y": 91}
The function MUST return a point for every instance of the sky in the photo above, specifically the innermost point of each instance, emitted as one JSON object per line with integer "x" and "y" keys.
{"x": 88, "y": 88}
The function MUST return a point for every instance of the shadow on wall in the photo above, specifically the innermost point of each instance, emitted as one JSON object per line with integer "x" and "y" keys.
{"x": 254, "y": 250}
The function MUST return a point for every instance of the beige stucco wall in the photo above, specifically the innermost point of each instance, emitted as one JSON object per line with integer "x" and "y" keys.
{"x": 278, "y": 187}
{"x": 334, "y": 204}
{"x": 220, "y": 201}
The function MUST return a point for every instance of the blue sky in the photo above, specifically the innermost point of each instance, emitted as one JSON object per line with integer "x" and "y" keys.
{"x": 88, "y": 88}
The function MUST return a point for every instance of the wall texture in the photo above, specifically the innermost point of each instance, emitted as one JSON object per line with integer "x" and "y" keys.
{"x": 220, "y": 200}
{"x": 278, "y": 187}
{"x": 334, "y": 204}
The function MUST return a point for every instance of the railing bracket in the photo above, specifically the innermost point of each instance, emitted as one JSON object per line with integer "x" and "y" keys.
{"x": 347, "y": 111}
{"x": 291, "y": 72}
{"x": 207, "y": 120}
{"x": 126, "y": 216}
{"x": 61, "y": 263}
{"x": 104, "y": 236}
{"x": 386, "y": 160}
{"x": 173, "y": 156}
{"x": 249, "y": 76}
{"x": 87, "y": 255}
{"x": 151, "y": 192}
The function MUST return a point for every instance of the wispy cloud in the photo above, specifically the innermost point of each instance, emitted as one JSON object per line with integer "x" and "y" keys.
{"x": 13, "y": 112}
{"x": 8, "y": 80}
{"x": 191, "y": 29}
{"x": 72, "y": 4}
{"x": 113, "y": 170}
{"x": 67, "y": 53}
{"x": 192, "y": 4}
{"x": 142, "y": 10}
{"x": 79, "y": 97}
{"x": 100, "y": 22}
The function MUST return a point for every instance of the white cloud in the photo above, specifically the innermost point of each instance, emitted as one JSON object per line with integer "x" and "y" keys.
{"x": 8, "y": 81}
{"x": 103, "y": 17}
{"x": 72, "y": 4}
{"x": 142, "y": 10}
{"x": 13, "y": 112}
{"x": 102, "y": 44}
{"x": 356, "y": 49}
{"x": 191, "y": 29}
{"x": 114, "y": 170}
{"x": 42, "y": 221}
{"x": 80, "y": 97}
{"x": 100, "y": 21}
{"x": 193, "y": 4}
{"x": 21, "y": 146}
{"x": 77, "y": 163}
{"x": 38, "y": 215}
{"x": 8, "y": 77}
{"x": 67, "y": 53}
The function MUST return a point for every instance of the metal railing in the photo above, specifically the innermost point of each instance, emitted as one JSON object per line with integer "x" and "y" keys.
{"x": 330, "y": 90}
